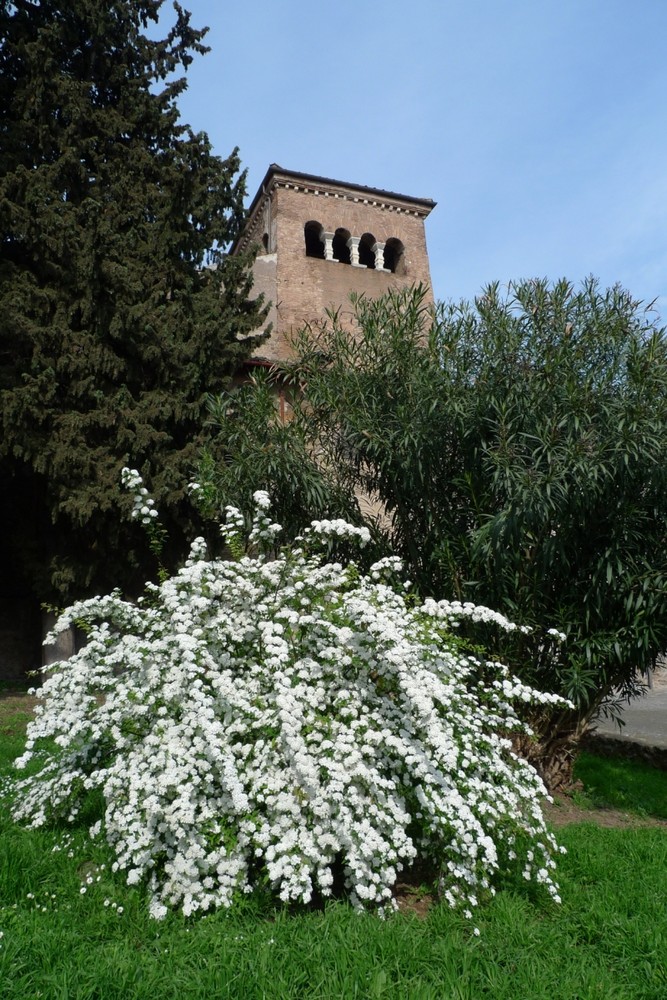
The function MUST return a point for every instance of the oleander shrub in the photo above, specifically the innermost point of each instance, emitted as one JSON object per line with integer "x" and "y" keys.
{"x": 276, "y": 720}
{"x": 517, "y": 447}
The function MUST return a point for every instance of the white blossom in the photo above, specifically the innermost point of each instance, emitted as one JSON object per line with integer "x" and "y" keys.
{"x": 269, "y": 716}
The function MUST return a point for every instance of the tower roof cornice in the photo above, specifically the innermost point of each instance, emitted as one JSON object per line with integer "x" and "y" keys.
{"x": 327, "y": 187}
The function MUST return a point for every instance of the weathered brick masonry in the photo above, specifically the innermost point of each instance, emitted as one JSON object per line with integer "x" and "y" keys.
{"x": 348, "y": 224}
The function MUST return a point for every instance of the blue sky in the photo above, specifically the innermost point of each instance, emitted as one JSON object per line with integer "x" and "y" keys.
{"x": 539, "y": 126}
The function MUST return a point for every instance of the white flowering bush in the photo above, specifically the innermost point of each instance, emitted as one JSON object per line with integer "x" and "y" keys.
{"x": 284, "y": 719}
{"x": 144, "y": 509}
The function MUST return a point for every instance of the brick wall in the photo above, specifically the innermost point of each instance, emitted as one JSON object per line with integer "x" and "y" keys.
{"x": 305, "y": 287}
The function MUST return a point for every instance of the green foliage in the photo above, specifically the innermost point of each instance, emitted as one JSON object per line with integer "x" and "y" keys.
{"x": 118, "y": 310}
{"x": 518, "y": 446}
{"x": 260, "y": 440}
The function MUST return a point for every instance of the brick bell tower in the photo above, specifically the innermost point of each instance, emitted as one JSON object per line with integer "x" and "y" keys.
{"x": 320, "y": 240}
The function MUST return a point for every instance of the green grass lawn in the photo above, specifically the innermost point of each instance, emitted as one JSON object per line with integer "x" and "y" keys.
{"x": 623, "y": 784}
{"x": 606, "y": 940}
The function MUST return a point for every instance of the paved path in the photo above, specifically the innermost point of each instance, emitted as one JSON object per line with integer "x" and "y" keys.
{"x": 645, "y": 717}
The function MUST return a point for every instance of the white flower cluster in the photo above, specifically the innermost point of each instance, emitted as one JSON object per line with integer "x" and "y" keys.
{"x": 144, "y": 506}
{"x": 338, "y": 528}
{"x": 285, "y": 718}
{"x": 453, "y": 611}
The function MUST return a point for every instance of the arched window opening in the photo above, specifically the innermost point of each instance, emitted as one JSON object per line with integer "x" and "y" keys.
{"x": 366, "y": 254}
{"x": 394, "y": 256}
{"x": 314, "y": 245}
{"x": 265, "y": 242}
{"x": 341, "y": 250}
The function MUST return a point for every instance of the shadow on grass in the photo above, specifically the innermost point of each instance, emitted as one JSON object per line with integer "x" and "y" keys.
{"x": 622, "y": 784}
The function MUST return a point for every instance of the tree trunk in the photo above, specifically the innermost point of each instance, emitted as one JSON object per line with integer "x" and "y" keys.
{"x": 552, "y": 754}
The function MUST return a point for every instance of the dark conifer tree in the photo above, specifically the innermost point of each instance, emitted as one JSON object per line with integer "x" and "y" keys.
{"x": 118, "y": 309}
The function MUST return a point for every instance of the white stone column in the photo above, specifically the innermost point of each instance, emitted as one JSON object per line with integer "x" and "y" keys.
{"x": 353, "y": 244}
{"x": 327, "y": 239}
{"x": 378, "y": 250}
